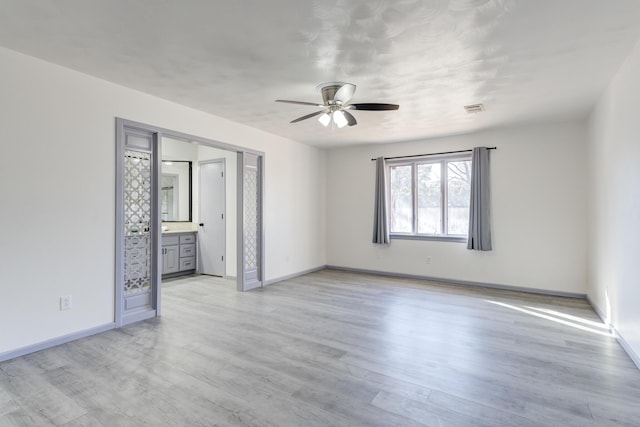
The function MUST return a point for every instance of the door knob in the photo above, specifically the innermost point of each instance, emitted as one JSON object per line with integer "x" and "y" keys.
{"x": 201, "y": 224}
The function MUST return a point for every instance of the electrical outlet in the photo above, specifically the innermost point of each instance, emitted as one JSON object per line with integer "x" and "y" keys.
{"x": 428, "y": 260}
{"x": 65, "y": 302}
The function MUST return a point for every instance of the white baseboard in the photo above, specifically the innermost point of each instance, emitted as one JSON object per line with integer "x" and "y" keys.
{"x": 12, "y": 354}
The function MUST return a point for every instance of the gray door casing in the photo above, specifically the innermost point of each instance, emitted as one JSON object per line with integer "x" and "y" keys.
{"x": 137, "y": 269}
{"x": 250, "y": 221}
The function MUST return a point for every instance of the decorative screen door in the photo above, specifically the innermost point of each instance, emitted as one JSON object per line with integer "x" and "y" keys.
{"x": 251, "y": 261}
{"x": 137, "y": 218}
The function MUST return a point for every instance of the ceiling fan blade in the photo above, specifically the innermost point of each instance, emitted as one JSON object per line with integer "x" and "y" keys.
{"x": 374, "y": 106}
{"x": 344, "y": 94}
{"x": 315, "y": 104}
{"x": 351, "y": 121}
{"x": 308, "y": 116}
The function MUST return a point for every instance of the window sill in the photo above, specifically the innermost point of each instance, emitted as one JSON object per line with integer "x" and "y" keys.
{"x": 459, "y": 239}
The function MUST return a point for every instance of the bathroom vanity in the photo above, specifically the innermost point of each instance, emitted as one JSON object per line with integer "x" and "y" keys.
{"x": 178, "y": 253}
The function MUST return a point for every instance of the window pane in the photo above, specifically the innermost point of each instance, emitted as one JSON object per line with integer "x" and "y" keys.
{"x": 401, "y": 202}
{"x": 429, "y": 199}
{"x": 459, "y": 193}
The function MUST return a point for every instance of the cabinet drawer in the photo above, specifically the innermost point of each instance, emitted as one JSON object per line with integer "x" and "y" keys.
{"x": 170, "y": 240}
{"x": 187, "y": 250}
{"x": 187, "y": 238}
{"x": 188, "y": 263}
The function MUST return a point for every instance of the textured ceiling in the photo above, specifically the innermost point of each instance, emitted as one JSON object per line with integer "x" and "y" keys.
{"x": 526, "y": 60}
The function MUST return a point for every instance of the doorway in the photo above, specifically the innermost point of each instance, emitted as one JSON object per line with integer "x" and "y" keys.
{"x": 212, "y": 218}
{"x": 138, "y": 257}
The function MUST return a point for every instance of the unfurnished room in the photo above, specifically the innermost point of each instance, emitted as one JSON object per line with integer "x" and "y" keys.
{"x": 320, "y": 213}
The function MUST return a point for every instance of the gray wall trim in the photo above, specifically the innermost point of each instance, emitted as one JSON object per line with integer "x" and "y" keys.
{"x": 261, "y": 192}
{"x": 188, "y": 137}
{"x": 119, "y": 231}
{"x": 294, "y": 275}
{"x": 12, "y": 354}
{"x": 635, "y": 358}
{"x": 463, "y": 282}
{"x": 240, "y": 221}
{"x": 156, "y": 226}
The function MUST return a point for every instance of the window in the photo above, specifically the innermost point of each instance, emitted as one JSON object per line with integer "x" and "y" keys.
{"x": 429, "y": 197}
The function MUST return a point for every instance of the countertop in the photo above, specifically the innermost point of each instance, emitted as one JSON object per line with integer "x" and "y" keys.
{"x": 178, "y": 231}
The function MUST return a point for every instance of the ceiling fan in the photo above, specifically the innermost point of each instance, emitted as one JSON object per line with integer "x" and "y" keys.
{"x": 336, "y": 107}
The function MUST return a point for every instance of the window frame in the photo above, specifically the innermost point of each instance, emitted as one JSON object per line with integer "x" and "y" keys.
{"x": 443, "y": 160}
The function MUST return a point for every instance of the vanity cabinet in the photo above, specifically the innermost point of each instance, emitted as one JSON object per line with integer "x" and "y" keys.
{"x": 170, "y": 255}
{"x": 178, "y": 254}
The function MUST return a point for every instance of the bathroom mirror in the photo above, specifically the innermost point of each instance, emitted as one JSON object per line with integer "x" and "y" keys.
{"x": 176, "y": 191}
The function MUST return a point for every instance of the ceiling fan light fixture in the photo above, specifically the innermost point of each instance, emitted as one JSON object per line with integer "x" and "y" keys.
{"x": 336, "y": 105}
{"x": 339, "y": 119}
{"x": 325, "y": 119}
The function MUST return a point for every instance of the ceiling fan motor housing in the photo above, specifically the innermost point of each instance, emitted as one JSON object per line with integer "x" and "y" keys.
{"x": 328, "y": 91}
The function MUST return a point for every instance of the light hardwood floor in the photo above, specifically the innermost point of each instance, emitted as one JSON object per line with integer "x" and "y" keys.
{"x": 334, "y": 348}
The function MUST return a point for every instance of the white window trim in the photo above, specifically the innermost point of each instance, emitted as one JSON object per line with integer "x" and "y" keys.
{"x": 443, "y": 194}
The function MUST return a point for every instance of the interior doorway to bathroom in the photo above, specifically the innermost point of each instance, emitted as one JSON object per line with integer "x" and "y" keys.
{"x": 143, "y": 216}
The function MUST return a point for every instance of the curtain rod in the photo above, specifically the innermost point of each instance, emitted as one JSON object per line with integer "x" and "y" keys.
{"x": 433, "y": 154}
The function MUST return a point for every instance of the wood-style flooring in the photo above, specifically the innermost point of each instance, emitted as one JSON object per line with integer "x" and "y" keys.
{"x": 334, "y": 349}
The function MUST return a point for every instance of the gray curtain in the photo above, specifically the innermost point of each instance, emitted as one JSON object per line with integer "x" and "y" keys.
{"x": 380, "y": 220}
{"x": 479, "y": 224}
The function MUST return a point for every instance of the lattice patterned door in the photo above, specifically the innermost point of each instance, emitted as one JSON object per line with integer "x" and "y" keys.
{"x": 139, "y": 272}
{"x": 251, "y": 230}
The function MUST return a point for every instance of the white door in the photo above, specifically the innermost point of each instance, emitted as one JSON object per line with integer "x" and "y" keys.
{"x": 211, "y": 233}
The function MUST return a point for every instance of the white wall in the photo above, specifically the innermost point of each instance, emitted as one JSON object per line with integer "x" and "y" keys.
{"x": 614, "y": 205}
{"x": 174, "y": 149}
{"x": 538, "y": 201}
{"x": 57, "y": 182}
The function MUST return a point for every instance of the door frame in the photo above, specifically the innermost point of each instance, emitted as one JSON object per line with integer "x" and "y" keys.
{"x": 250, "y": 279}
{"x": 122, "y": 128}
{"x": 224, "y": 196}
{"x": 160, "y": 132}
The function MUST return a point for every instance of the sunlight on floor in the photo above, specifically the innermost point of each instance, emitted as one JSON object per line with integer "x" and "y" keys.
{"x": 562, "y": 318}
